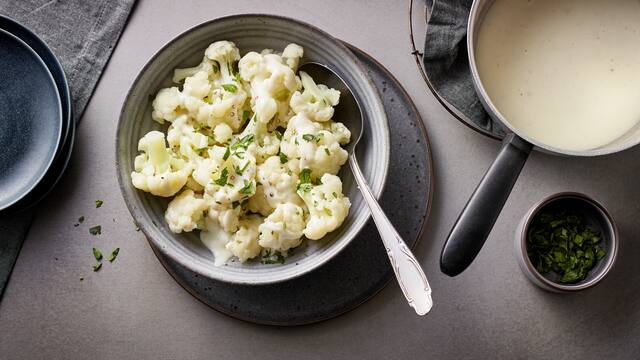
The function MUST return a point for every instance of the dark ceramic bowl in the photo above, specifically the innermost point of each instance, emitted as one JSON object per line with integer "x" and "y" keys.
{"x": 250, "y": 32}
{"x": 595, "y": 217}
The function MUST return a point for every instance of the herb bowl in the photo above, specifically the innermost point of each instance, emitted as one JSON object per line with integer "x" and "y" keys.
{"x": 593, "y": 215}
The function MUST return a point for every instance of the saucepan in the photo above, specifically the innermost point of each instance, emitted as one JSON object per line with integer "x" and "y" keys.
{"x": 481, "y": 211}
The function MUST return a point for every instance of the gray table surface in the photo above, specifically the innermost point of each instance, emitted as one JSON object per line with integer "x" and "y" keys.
{"x": 132, "y": 309}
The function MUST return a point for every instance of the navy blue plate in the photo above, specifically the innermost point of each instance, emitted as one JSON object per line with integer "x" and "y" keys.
{"x": 31, "y": 119}
{"x": 63, "y": 155}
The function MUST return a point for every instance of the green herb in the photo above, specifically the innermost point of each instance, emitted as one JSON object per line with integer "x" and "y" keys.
{"x": 222, "y": 180}
{"x": 245, "y": 115}
{"x": 95, "y": 230}
{"x": 81, "y": 219}
{"x": 334, "y": 194}
{"x": 99, "y": 203}
{"x": 238, "y": 78}
{"x": 278, "y": 134}
{"x": 272, "y": 257}
{"x": 230, "y": 88}
{"x": 114, "y": 255}
{"x": 248, "y": 188}
{"x": 561, "y": 243}
{"x": 226, "y": 154}
{"x": 243, "y": 142}
{"x": 97, "y": 254}
{"x": 308, "y": 137}
{"x": 305, "y": 184}
{"x": 97, "y": 267}
{"x": 326, "y": 150}
{"x": 283, "y": 158}
{"x": 328, "y": 211}
{"x": 239, "y": 170}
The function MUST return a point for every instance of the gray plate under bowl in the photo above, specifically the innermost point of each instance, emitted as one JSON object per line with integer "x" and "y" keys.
{"x": 362, "y": 268}
{"x": 30, "y": 119}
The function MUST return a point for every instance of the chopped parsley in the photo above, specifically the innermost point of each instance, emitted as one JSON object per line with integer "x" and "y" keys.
{"x": 114, "y": 255}
{"x": 272, "y": 257}
{"x": 81, "y": 219}
{"x": 308, "y": 137}
{"x": 222, "y": 180}
{"x": 226, "y": 154}
{"x": 561, "y": 243}
{"x": 245, "y": 115}
{"x": 97, "y": 254}
{"x": 248, "y": 188}
{"x": 326, "y": 150}
{"x": 283, "y": 158}
{"x": 95, "y": 230}
{"x": 99, "y": 203}
{"x": 305, "y": 180}
{"x": 334, "y": 194}
{"x": 238, "y": 78}
{"x": 97, "y": 267}
{"x": 278, "y": 134}
{"x": 239, "y": 170}
{"x": 230, "y": 88}
{"x": 243, "y": 142}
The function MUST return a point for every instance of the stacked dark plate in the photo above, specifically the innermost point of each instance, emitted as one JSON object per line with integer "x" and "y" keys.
{"x": 36, "y": 123}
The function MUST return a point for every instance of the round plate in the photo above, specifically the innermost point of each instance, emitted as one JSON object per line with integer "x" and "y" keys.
{"x": 360, "y": 270}
{"x": 30, "y": 119}
{"x": 61, "y": 159}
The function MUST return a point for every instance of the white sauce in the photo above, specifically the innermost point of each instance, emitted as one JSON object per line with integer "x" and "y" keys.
{"x": 564, "y": 72}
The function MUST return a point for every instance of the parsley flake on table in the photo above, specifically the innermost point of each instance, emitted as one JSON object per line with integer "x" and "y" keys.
{"x": 97, "y": 267}
{"x": 563, "y": 244}
{"x": 95, "y": 230}
{"x": 97, "y": 254}
{"x": 99, "y": 203}
{"x": 114, "y": 255}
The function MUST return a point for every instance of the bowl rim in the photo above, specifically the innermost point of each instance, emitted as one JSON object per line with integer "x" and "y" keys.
{"x": 208, "y": 272}
{"x": 610, "y": 260}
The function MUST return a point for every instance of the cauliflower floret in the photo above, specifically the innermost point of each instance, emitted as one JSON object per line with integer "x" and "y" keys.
{"x": 167, "y": 105}
{"x": 272, "y": 83}
{"x": 310, "y": 146}
{"x": 222, "y": 133}
{"x": 317, "y": 101}
{"x": 328, "y": 207}
{"x": 185, "y": 212}
{"x": 342, "y": 134}
{"x": 206, "y": 65}
{"x": 182, "y": 137}
{"x": 263, "y": 143}
{"x": 283, "y": 229}
{"x": 277, "y": 186}
{"x": 235, "y": 179}
{"x": 216, "y": 239}
{"x": 291, "y": 55}
{"x": 227, "y": 215}
{"x": 197, "y": 86}
{"x": 158, "y": 170}
{"x": 245, "y": 241}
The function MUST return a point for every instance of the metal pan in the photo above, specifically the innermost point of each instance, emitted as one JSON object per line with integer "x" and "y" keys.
{"x": 479, "y": 215}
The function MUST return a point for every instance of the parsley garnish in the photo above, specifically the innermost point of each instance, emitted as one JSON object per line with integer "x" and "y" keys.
{"x": 97, "y": 254}
{"x": 326, "y": 150}
{"x": 222, "y": 180}
{"x": 97, "y": 267}
{"x": 243, "y": 142}
{"x": 334, "y": 194}
{"x": 239, "y": 170}
{"x": 95, "y": 230}
{"x": 230, "y": 88}
{"x": 245, "y": 115}
{"x": 226, "y": 154}
{"x": 248, "y": 188}
{"x": 114, "y": 255}
{"x": 283, "y": 158}
{"x": 99, "y": 203}
{"x": 561, "y": 243}
{"x": 238, "y": 78}
{"x": 278, "y": 134}
{"x": 273, "y": 257}
{"x": 308, "y": 137}
{"x": 305, "y": 180}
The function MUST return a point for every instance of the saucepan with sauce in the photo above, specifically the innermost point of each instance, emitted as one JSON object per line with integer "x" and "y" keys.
{"x": 564, "y": 77}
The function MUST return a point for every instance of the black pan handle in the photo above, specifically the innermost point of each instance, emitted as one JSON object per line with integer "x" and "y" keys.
{"x": 481, "y": 212}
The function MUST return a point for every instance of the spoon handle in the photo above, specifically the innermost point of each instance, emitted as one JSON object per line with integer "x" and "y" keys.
{"x": 411, "y": 278}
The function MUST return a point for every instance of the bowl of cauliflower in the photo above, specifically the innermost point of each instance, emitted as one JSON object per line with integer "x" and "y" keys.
{"x": 232, "y": 161}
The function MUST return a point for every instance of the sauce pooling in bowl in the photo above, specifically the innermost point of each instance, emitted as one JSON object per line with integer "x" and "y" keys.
{"x": 564, "y": 72}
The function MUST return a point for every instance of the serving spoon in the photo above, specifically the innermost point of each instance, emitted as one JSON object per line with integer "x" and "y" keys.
{"x": 409, "y": 274}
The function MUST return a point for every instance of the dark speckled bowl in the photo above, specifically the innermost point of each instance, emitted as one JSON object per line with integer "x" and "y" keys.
{"x": 250, "y": 32}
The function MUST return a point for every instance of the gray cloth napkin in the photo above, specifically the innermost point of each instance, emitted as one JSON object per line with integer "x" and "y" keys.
{"x": 446, "y": 63}
{"x": 82, "y": 34}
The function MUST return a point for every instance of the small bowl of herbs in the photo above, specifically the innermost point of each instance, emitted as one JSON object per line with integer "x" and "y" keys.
{"x": 566, "y": 242}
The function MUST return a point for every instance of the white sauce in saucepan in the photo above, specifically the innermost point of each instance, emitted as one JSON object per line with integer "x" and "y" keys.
{"x": 564, "y": 72}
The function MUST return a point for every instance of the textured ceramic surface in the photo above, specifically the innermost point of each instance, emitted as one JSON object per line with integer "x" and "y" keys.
{"x": 250, "y": 32}
{"x": 595, "y": 216}
{"x": 363, "y": 268}
{"x": 61, "y": 159}
{"x": 30, "y": 119}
